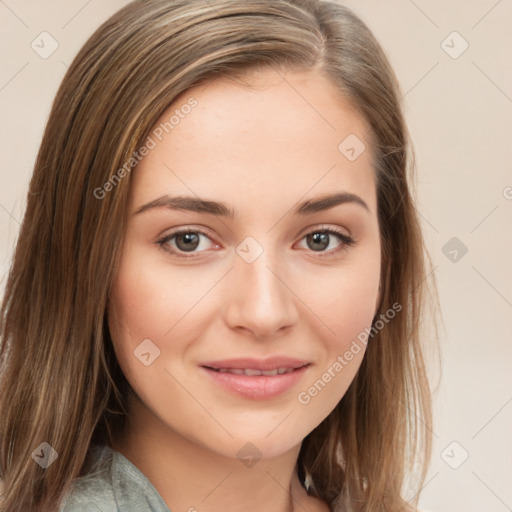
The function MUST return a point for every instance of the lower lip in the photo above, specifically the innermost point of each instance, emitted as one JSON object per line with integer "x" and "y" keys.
{"x": 258, "y": 387}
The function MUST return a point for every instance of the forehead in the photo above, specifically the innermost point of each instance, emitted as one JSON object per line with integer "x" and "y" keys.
{"x": 273, "y": 137}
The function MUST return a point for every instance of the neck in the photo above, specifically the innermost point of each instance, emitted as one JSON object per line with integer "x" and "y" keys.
{"x": 190, "y": 476}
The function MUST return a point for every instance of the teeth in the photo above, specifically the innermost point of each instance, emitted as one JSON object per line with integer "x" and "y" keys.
{"x": 251, "y": 372}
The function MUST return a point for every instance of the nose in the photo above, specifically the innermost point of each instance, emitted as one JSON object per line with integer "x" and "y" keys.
{"x": 259, "y": 300}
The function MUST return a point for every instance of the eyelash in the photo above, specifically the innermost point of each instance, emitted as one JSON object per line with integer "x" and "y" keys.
{"x": 345, "y": 240}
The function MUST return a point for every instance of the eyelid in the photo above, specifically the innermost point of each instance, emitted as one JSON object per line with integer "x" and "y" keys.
{"x": 192, "y": 228}
{"x": 325, "y": 227}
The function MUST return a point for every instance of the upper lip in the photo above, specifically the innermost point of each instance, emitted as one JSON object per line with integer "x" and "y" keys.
{"x": 271, "y": 363}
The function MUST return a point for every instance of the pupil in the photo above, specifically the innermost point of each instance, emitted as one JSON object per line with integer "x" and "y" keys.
{"x": 191, "y": 241}
{"x": 319, "y": 238}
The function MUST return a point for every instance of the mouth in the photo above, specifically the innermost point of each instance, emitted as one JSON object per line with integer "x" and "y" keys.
{"x": 256, "y": 383}
{"x": 252, "y": 372}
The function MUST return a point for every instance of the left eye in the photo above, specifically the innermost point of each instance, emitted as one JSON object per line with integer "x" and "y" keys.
{"x": 187, "y": 241}
{"x": 320, "y": 239}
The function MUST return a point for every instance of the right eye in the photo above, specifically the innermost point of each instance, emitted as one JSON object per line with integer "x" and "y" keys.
{"x": 184, "y": 241}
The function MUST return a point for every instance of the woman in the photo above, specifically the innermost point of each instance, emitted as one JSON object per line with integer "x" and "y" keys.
{"x": 215, "y": 299}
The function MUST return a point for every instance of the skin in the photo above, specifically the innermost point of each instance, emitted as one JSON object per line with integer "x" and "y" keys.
{"x": 260, "y": 150}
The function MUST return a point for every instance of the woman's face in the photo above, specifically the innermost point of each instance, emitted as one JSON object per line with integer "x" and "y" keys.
{"x": 257, "y": 278}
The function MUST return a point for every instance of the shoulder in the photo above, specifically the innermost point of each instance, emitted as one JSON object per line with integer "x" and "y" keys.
{"x": 96, "y": 488}
{"x": 88, "y": 492}
{"x": 113, "y": 484}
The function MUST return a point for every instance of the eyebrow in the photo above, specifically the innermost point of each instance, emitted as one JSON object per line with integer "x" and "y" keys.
{"x": 219, "y": 209}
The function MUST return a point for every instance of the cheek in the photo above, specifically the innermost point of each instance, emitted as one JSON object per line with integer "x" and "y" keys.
{"x": 350, "y": 306}
{"x": 137, "y": 304}
{"x": 141, "y": 308}
{"x": 343, "y": 355}
{"x": 156, "y": 302}
{"x": 344, "y": 303}
{"x": 149, "y": 298}
{"x": 345, "y": 298}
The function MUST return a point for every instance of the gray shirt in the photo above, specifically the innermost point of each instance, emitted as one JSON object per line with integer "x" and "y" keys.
{"x": 113, "y": 484}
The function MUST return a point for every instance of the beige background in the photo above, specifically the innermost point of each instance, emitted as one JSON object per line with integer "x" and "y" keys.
{"x": 459, "y": 112}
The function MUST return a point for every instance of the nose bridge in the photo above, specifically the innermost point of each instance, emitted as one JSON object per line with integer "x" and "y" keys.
{"x": 260, "y": 301}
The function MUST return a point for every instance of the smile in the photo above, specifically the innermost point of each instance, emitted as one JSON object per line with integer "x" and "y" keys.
{"x": 256, "y": 384}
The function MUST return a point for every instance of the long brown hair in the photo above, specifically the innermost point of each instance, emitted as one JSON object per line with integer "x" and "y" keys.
{"x": 60, "y": 381}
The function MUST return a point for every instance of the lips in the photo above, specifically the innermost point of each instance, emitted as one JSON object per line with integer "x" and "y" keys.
{"x": 256, "y": 378}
